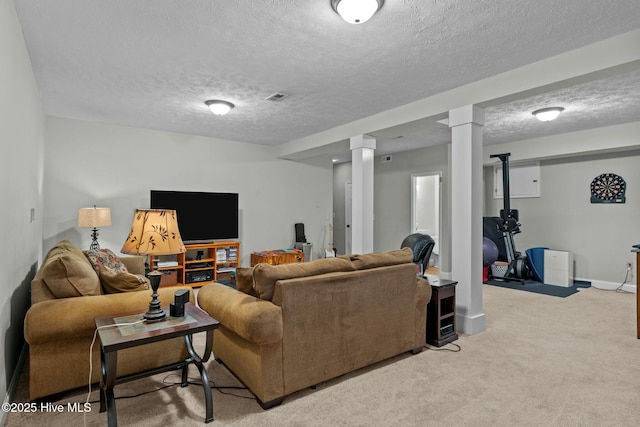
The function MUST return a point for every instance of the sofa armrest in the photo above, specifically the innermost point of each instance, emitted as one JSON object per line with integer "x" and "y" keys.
{"x": 65, "y": 318}
{"x": 134, "y": 264}
{"x": 423, "y": 291}
{"x": 256, "y": 320}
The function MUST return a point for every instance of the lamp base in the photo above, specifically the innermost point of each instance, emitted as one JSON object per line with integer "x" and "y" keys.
{"x": 155, "y": 316}
{"x": 155, "y": 312}
{"x": 95, "y": 246}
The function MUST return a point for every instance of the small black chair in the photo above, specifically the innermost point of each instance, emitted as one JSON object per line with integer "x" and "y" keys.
{"x": 422, "y": 246}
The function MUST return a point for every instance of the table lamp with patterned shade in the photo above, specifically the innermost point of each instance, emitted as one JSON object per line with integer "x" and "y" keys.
{"x": 154, "y": 232}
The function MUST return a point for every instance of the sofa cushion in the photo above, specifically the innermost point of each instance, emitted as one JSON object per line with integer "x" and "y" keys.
{"x": 244, "y": 281}
{"x": 105, "y": 257}
{"x": 265, "y": 275}
{"x": 67, "y": 273}
{"x": 382, "y": 259}
{"x": 114, "y": 282}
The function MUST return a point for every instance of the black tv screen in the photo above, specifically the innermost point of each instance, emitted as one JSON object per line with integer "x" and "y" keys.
{"x": 202, "y": 217}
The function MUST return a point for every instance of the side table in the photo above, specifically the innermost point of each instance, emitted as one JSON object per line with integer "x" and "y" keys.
{"x": 441, "y": 313}
{"x": 116, "y": 338}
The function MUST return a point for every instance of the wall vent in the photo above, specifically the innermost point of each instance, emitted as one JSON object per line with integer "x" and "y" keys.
{"x": 386, "y": 159}
{"x": 276, "y": 97}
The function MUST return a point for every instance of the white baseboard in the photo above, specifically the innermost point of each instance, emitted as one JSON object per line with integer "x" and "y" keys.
{"x": 610, "y": 286}
{"x": 471, "y": 324}
{"x": 13, "y": 384}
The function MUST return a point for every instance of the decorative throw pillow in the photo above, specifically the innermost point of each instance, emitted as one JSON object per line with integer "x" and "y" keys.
{"x": 244, "y": 281}
{"x": 68, "y": 275}
{"x": 115, "y": 282}
{"x": 106, "y": 258}
{"x": 63, "y": 247}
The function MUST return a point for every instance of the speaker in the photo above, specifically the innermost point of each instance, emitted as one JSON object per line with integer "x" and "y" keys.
{"x": 176, "y": 309}
{"x": 182, "y": 296}
{"x": 300, "y": 237}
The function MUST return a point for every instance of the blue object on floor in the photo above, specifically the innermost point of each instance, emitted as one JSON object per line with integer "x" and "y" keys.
{"x": 536, "y": 261}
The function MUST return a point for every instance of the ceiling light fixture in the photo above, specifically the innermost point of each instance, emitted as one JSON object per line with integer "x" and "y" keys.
{"x": 356, "y": 11}
{"x": 218, "y": 107}
{"x": 547, "y": 114}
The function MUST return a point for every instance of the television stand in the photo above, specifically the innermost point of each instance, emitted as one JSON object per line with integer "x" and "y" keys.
{"x": 203, "y": 263}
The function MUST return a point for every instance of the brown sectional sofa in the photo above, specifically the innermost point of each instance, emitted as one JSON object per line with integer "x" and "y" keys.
{"x": 297, "y": 325}
{"x": 66, "y": 296}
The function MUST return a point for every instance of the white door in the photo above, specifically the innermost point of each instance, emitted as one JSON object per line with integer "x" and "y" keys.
{"x": 347, "y": 216}
{"x": 425, "y": 207}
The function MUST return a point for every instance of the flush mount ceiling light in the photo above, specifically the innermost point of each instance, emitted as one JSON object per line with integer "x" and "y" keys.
{"x": 547, "y": 114}
{"x": 356, "y": 11}
{"x": 218, "y": 107}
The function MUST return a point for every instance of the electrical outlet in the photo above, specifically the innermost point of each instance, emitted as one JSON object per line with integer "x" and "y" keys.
{"x": 628, "y": 266}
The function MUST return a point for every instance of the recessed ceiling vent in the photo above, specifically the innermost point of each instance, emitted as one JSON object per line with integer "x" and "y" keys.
{"x": 276, "y": 97}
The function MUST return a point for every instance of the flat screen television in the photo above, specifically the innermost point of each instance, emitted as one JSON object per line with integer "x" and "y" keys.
{"x": 202, "y": 216}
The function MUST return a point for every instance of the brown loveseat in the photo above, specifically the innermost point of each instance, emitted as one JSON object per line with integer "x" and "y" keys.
{"x": 66, "y": 296}
{"x": 310, "y": 322}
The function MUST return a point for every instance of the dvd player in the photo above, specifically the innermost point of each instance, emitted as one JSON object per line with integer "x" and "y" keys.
{"x": 199, "y": 276}
{"x": 200, "y": 265}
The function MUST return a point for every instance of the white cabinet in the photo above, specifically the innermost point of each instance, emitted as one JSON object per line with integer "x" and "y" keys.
{"x": 558, "y": 268}
{"x": 524, "y": 181}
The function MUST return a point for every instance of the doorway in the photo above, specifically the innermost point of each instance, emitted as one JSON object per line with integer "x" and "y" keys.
{"x": 426, "y": 208}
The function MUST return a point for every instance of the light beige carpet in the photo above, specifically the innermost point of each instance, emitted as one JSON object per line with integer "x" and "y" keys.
{"x": 543, "y": 361}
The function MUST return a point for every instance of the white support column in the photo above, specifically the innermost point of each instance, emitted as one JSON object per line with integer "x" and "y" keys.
{"x": 362, "y": 155}
{"x": 467, "y": 125}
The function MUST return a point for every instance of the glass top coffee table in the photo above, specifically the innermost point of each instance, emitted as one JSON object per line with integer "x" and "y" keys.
{"x": 132, "y": 333}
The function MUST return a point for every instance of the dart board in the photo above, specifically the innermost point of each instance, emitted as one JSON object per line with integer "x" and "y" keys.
{"x": 608, "y": 188}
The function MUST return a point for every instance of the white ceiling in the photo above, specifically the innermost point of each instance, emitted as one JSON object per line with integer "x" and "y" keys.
{"x": 153, "y": 63}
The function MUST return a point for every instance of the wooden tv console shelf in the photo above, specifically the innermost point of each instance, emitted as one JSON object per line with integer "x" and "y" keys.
{"x": 201, "y": 264}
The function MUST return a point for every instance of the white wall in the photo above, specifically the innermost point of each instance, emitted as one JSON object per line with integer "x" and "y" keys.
{"x": 113, "y": 166}
{"x": 392, "y": 198}
{"x": 21, "y": 139}
{"x": 563, "y": 218}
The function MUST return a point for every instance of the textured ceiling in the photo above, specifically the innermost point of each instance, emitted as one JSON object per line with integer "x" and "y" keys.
{"x": 604, "y": 102}
{"x": 153, "y": 63}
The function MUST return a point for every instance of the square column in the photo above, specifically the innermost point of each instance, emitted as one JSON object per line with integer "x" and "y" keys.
{"x": 467, "y": 124}
{"x": 362, "y": 156}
